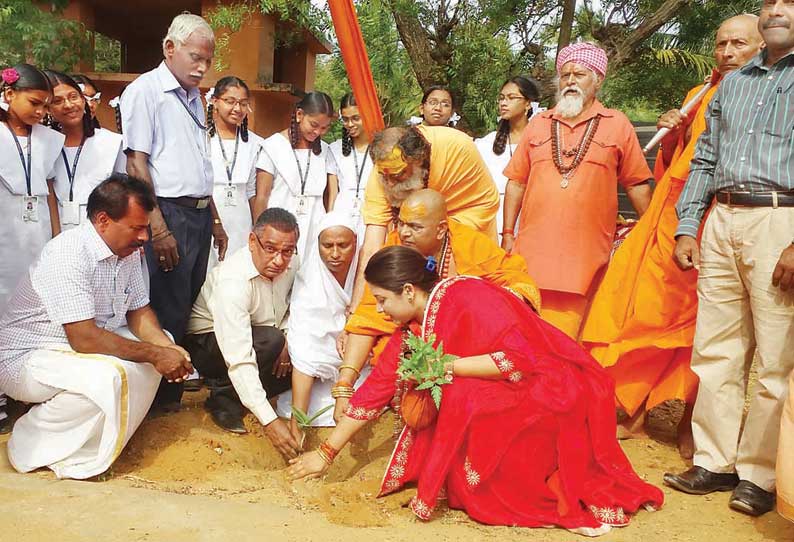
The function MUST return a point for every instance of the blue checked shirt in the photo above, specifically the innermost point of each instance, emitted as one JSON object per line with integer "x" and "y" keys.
{"x": 747, "y": 145}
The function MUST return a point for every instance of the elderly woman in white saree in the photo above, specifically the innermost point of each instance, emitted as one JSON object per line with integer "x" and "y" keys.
{"x": 318, "y": 310}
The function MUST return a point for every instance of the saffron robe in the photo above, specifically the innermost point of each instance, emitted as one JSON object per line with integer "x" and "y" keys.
{"x": 642, "y": 319}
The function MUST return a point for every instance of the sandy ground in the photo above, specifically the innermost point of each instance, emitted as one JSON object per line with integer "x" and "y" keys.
{"x": 182, "y": 479}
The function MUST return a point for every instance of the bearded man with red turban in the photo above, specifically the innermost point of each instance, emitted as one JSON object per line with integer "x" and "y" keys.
{"x": 563, "y": 181}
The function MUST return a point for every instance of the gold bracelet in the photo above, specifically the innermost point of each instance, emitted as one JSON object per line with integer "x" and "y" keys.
{"x": 324, "y": 456}
{"x": 358, "y": 373}
{"x": 342, "y": 391}
{"x": 216, "y": 221}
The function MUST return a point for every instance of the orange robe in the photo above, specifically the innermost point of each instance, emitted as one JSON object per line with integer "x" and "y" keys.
{"x": 474, "y": 254}
{"x": 642, "y": 319}
{"x": 457, "y": 171}
{"x": 566, "y": 234}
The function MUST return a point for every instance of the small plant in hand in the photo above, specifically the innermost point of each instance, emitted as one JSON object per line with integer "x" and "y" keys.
{"x": 304, "y": 420}
{"x": 425, "y": 365}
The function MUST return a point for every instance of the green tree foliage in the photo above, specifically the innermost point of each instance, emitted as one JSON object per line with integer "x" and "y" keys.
{"x": 675, "y": 59}
{"x": 37, "y": 35}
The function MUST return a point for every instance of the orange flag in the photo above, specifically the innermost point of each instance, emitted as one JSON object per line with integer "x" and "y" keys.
{"x": 354, "y": 54}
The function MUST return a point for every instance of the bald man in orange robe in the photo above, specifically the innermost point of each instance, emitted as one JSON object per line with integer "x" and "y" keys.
{"x": 641, "y": 323}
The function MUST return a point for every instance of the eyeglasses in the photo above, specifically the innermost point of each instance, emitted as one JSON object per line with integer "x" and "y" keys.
{"x": 435, "y": 103}
{"x": 245, "y": 105}
{"x": 271, "y": 251}
{"x": 72, "y": 97}
{"x": 509, "y": 98}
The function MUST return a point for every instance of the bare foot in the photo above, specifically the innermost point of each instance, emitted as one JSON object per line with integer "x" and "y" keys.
{"x": 686, "y": 443}
{"x": 632, "y": 427}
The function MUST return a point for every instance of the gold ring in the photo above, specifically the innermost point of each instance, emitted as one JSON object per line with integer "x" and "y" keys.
{"x": 162, "y": 258}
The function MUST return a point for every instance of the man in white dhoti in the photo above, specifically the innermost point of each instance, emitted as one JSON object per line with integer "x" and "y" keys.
{"x": 318, "y": 310}
{"x": 71, "y": 338}
{"x": 235, "y": 335}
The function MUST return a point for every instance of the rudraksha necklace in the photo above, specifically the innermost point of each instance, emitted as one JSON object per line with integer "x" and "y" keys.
{"x": 577, "y": 152}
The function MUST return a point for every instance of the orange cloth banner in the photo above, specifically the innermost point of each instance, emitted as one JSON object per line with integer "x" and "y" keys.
{"x": 354, "y": 54}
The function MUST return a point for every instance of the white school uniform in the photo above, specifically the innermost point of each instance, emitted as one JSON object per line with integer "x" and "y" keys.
{"x": 231, "y": 196}
{"x": 496, "y": 165}
{"x": 23, "y": 239}
{"x": 100, "y": 157}
{"x": 353, "y": 172}
{"x": 278, "y": 159}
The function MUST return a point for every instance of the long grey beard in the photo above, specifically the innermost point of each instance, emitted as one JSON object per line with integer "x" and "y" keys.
{"x": 398, "y": 193}
{"x": 570, "y": 106}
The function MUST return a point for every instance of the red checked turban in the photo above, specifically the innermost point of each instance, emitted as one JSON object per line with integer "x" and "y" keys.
{"x": 586, "y": 54}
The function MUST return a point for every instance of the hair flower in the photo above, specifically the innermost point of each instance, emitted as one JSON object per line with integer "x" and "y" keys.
{"x": 210, "y": 93}
{"x": 115, "y": 102}
{"x": 10, "y": 76}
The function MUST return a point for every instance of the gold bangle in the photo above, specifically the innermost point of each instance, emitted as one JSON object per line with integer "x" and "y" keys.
{"x": 358, "y": 373}
{"x": 324, "y": 456}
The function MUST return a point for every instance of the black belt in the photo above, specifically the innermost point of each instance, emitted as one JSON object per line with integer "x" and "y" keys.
{"x": 187, "y": 201}
{"x": 756, "y": 199}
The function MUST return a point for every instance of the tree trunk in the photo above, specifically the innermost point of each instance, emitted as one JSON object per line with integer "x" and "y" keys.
{"x": 566, "y": 24}
{"x": 626, "y": 48}
{"x": 419, "y": 48}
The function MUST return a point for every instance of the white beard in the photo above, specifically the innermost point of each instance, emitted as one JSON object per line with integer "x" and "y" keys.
{"x": 397, "y": 194}
{"x": 570, "y": 106}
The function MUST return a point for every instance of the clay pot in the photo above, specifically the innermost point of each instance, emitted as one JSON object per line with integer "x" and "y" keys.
{"x": 418, "y": 409}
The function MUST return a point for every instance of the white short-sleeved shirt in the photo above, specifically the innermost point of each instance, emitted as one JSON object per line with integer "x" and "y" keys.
{"x": 46, "y": 146}
{"x": 100, "y": 157}
{"x": 76, "y": 278}
{"x": 279, "y": 159}
{"x": 156, "y": 122}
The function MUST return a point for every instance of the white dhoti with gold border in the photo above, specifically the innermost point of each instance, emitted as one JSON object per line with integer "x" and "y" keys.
{"x": 88, "y": 407}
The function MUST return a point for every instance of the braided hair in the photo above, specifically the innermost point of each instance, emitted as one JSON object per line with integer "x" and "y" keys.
{"x": 348, "y": 100}
{"x": 312, "y": 103}
{"x": 529, "y": 90}
{"x": 222, "y": 86}
{"x": 30, "y": 78}
{"x": 58, "y": 78}
{"x": 84, "y": 80}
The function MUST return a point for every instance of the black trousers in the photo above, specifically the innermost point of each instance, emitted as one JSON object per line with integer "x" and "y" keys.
{"x": 207, "y": 358}
{"x": 172, "y": 294}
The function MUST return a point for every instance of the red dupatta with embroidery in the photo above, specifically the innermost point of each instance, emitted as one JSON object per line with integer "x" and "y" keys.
{"x": 535, "y": 448}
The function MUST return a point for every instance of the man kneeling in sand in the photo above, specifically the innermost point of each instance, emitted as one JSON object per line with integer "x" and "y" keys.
{"x": 70, "y": 340}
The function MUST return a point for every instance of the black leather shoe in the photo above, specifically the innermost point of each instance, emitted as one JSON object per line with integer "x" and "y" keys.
{"x": 230, "y": 419}
{"x": 699, "y": 481}
{"x": 751, "y": 499}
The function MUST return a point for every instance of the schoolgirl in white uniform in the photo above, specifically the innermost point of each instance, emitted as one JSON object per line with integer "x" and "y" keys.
{"x": 354, "y": 165}
{"x": 89, "y": 155}
{"x": 301, "y": 172}
{"x": 235, "y": 151}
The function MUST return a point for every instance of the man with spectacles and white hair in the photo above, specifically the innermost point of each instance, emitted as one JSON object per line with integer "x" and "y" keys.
{"x": 166, "y": 143}
{"x": 236, "y": 331}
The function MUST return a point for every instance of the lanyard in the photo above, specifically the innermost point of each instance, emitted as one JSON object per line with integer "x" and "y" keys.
{"x": 359, "y": 172}
{"x": 189, "y": 111}
{"x": 230, "y": 170}
{"x": 70, "y": 173}
{"x": 26, "y": 166}
{"x": 303, "y": 177}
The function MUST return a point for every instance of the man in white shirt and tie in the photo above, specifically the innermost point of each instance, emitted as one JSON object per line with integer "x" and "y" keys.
{"x": 236, "y": 331}
{"x": 166, "y": 143}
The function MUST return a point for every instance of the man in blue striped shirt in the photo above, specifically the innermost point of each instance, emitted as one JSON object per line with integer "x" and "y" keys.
{"x": 745, "y": 161}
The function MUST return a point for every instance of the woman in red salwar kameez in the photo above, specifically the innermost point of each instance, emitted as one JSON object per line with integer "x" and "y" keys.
{"x": 525, "y": 434}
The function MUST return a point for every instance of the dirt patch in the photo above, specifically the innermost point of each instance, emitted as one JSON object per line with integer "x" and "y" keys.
{"x": 234, "y": 487}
